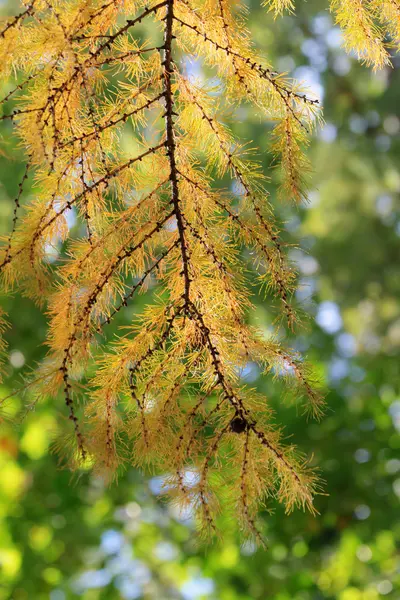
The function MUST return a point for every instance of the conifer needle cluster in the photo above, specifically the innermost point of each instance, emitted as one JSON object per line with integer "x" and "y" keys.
{"x": 167, "y": 392}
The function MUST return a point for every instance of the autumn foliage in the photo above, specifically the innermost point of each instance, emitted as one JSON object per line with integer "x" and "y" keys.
{"x": 167, "y": 393}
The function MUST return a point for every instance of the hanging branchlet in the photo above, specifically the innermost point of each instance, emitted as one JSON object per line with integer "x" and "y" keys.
{"x": 279, "y": 6}
{"x": 167, "y": 394}
{"x": 371, "y": 28}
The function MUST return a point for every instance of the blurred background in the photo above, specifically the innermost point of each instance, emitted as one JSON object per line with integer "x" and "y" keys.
{"x": 64, "y": 537}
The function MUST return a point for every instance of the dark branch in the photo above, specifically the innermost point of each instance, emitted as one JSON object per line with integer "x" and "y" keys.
{"x": 171, "y": 146}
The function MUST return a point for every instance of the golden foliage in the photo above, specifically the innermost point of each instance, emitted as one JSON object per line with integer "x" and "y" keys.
{"x": 371, "y": 28}
{"x": 166, "y": 394}
{"x": 3, "y": 345}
